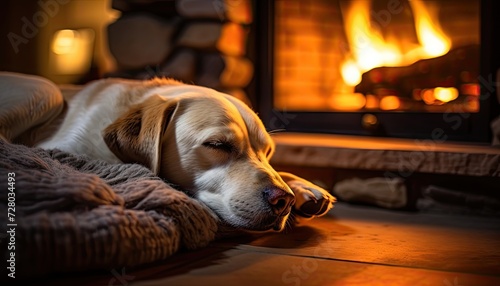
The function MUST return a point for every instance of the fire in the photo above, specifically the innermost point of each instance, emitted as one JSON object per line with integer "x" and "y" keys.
{"x": 350, "y": 73}
{"x": 434, "y": 42}
{"x": 348, "y": 101}
{"x": 439, "y": 95}
{"x": 369, "y": 49}
{"x": 445, "y": 94}
{"x": 390, "y": 102}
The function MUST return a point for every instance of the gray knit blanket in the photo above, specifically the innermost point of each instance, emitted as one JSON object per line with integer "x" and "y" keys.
{"x": 70, "y": 213}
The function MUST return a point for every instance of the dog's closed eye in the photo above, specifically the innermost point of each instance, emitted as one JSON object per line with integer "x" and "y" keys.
{"x": 219, "y": 145}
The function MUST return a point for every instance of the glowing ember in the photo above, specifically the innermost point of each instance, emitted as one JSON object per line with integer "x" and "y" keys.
{"x": 445, "y": 94}
{"x": 390, "y": 102}
{"x": 372, "y": 101}
{"x": 470, "y": 89}
{"x": 348, "y": 101}
{"x": 428, "y": 96}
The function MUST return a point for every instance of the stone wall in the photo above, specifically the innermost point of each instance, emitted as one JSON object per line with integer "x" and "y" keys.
{"x": 203, "y": 42}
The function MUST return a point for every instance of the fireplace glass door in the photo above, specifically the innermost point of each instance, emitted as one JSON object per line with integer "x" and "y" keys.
{"x": 375, "y": 67}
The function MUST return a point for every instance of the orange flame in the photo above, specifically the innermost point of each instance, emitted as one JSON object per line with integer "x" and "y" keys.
{"x": 434, "y": 42}
{"x": 369, "y": 49}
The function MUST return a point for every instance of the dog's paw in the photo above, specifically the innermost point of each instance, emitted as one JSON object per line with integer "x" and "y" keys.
{"x": 310, "y": 200}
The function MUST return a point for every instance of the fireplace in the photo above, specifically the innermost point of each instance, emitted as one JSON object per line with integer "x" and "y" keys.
{"x": 388, "y": 68}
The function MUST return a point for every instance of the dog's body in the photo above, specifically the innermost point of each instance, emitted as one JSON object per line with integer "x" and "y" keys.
{"x": 97, "y": 106}
{"x": 210, "y": 144}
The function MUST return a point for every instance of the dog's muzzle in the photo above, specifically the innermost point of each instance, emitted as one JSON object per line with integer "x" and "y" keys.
{"x": 280, "y": 201}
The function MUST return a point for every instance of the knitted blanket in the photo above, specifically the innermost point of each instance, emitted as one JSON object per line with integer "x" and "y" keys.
{"x": 70, "y": 213}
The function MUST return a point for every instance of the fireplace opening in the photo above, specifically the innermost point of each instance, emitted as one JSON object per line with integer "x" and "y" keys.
{"x": 394, "y": 68}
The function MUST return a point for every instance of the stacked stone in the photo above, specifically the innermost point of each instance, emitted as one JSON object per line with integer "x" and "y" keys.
{"x": 196, "y": 41}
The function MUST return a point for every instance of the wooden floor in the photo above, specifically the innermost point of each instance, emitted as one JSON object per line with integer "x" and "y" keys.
{"x": 352, "y": 245}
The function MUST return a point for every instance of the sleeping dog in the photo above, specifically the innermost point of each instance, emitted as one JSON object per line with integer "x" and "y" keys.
{"x": 211, "y": 145}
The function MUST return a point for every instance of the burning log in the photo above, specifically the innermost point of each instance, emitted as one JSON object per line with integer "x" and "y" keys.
{"x": 407, "y": 82}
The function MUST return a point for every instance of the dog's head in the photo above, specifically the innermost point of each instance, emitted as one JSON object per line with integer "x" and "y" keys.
{"x": 212, "y": 146}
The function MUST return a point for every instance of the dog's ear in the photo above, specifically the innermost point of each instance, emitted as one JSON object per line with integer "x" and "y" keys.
{"x": 135, "y": 137}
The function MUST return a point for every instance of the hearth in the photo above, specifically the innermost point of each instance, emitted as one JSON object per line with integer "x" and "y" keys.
{"x": 389, "y": 68}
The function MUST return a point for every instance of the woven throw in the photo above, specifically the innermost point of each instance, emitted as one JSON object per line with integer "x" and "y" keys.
{"x": 74, "y": 214}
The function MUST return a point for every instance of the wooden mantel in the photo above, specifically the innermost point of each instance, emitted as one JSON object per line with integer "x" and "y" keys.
{"x": 401, "y": 156}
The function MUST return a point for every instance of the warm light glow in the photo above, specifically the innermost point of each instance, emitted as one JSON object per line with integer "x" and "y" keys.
{"x": 72, "y": 51}
{"x": 428, "y": 96}
{"x": 369, "y": 120}
{"x": 439, "y": 95}
{"x": 369, "y": 49}
{"x": 367, "y": 45}
{"x": 230, "y": 39}
{"x": 417, "y": 94}
{"x": 472, "y": 104}
{"x": 64, "y": 42}
{"x": 351, "y": 73}
{"x": 348, "y": 101}
{"x": 390, "y": 102}
{"x": 371, "y": 101}
{"x": 434, "y": 42}
{"x": 445, "y": 94}
{"x": 470, "y": 89}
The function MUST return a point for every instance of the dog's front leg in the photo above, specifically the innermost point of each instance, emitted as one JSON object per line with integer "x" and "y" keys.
{"x": 310, "y": 199}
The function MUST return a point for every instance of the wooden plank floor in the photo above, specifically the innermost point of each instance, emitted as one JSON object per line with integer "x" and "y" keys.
{"x": 352, "y": 245}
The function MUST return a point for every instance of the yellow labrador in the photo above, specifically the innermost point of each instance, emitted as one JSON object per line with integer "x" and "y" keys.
{"x": 212, "y": 145}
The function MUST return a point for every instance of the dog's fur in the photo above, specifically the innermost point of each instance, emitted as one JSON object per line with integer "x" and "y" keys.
{"x": 208, "y": 143}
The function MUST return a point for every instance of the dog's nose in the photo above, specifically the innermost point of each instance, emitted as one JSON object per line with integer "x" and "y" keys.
{"x": 279, "y": 200}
